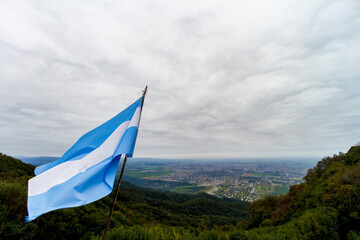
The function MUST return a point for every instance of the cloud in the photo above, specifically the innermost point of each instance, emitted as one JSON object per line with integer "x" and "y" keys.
{"x": 233, "y": 78}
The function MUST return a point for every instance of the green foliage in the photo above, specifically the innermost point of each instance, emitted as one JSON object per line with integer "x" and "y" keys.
{"x": 163, "y": 232}
{"x": 325, "y": 206}
{"x": 188, "y": 189}
{"x": 148, "y": 173}
{"x": 318, "y": 223}
{"x": 353, "y": 235}
{"x": 179, "y": 209}
{"x": 13, "y": 168}
{"x": 135, "y": 210}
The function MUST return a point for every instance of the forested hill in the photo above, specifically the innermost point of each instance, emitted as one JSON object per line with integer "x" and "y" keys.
{"x": 12, "y": 167}
{"x": 136, "y": 208}
{"x": 325, "y": 206}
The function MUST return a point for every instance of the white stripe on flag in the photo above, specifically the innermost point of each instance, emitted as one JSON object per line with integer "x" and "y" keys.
{"x": 135, "y": 120}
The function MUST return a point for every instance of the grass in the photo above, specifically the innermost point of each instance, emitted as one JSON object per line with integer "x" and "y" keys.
{"x": 263, "y": 174}
{"x": 148, "y": 173}
{"x": 188, "y": 189}
{"x": 278, "y": 190}
{"x": 263, "y": 190}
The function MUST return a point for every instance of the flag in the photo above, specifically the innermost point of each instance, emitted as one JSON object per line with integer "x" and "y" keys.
{"x": 86, "y": 172}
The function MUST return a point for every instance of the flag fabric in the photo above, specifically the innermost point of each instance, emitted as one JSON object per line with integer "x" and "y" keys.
{"x": 86, "y": 172}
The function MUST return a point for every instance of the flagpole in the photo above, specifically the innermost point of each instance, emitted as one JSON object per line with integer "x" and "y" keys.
{"x": 120, "y": 179}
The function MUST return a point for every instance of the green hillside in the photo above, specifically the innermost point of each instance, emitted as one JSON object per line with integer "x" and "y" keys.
{"x": 325, "y": 206}
{"x": 136, "y": 208}
{"x": 12, "y": 168}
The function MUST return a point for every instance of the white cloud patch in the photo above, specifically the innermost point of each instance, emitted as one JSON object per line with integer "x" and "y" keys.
{"x": 226, "y": 78}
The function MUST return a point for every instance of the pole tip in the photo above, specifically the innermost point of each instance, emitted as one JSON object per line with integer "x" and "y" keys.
{"x": 145, "y": 90}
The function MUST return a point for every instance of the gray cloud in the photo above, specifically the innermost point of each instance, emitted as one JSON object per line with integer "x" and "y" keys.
{"x": 233, "y": 78}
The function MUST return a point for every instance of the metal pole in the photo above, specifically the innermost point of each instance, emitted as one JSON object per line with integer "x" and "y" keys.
{"x": 114, "y": 201}
{"x": 119, "y": 183}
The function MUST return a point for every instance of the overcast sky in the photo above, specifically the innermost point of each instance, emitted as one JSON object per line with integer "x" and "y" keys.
{"x": 226, "y": 78}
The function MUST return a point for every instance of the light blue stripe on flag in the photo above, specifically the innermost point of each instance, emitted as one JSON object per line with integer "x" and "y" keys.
{"x": 86, "y": 172}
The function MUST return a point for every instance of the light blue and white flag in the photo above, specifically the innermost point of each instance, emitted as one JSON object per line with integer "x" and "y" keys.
{"x": 86, "y": 172}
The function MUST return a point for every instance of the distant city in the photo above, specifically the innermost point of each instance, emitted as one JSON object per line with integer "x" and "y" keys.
{"x": 243, "y": 179}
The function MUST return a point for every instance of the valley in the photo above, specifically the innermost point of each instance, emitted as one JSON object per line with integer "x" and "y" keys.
{"x": 243, "y": 179}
